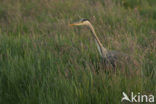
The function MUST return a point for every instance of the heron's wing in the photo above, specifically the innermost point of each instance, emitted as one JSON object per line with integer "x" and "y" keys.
{"x": 117, "y": 55}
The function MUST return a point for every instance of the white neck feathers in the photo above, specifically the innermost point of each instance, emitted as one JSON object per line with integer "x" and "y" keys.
{"x": 101, "y": 49}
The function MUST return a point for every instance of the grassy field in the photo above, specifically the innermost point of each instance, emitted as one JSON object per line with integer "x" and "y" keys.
{"x": 44, "y": 61}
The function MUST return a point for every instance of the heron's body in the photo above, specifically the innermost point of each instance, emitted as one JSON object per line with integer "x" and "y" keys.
{"x": 109, "y": 57}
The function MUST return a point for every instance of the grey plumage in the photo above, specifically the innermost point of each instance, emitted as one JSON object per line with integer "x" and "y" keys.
{"x": 115, "y": 57}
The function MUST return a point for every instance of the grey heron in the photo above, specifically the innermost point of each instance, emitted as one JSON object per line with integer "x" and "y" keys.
{"x": 110, "y": 57}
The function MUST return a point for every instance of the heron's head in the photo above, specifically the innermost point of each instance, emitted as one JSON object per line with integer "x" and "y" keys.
{"x": 81, "y": 22}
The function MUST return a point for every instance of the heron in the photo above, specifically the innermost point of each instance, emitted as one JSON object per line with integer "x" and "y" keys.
{"x": 109, "y": 57}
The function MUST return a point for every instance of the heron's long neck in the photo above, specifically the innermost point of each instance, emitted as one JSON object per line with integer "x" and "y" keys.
{"x": 100, "y": 47}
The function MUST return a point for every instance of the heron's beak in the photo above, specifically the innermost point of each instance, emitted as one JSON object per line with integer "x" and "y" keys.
{"x": 75, "y": 24}
{"x": 71, "y": 24}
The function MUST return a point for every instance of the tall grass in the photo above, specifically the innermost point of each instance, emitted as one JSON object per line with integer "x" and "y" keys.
{"x": 44, "y": 61}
